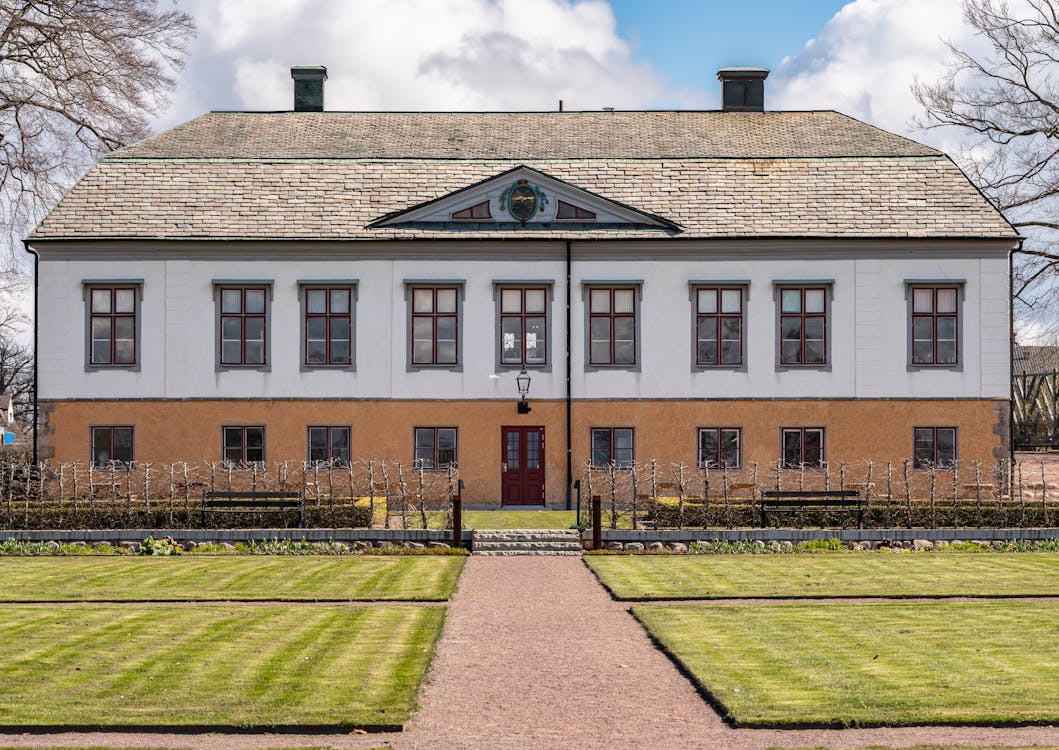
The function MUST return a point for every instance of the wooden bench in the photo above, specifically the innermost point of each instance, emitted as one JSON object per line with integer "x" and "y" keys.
{"x": 815, "y": 500}
{"x": 252, "y": 502}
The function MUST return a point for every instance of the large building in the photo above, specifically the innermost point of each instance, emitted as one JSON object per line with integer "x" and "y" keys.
{"x": 723, "y": 287}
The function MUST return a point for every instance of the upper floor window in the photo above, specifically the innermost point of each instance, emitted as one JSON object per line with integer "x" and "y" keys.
{"x": 523, "y": 326}
{"x": 720, "y": 447}
{"x": 435, "y": 324}
{"x": 112, "y": 447}
{"x": 435, "y": 447}
{"x": 613, "y": 446}
{"x": 243, "y": 326}
{"x": 612, "y": 323}
{"x": 802, "y": 446}
{"x": 934, "y": 447}
{"x": 328, "y": 326}
{"x": 935, "y": 326}
{"x": 719, "y": 319}
{"x": 244, "y": 445}
{"x": 803, "y": 323}
{"x": 329, "y": 445}
{"x": 113, "y": 315}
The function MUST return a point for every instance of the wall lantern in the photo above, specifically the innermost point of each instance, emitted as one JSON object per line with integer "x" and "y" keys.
{"x": 523, "y": 380}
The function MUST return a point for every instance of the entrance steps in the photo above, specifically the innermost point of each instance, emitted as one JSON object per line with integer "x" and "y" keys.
{"x": 526, "y": 542}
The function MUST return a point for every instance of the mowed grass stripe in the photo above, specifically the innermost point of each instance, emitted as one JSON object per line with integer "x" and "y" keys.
{"x": 211, "y": 665}
{"x": 790, "y": 665}
{"x": 251, "y": 578}
{"x": 647, "y": 577}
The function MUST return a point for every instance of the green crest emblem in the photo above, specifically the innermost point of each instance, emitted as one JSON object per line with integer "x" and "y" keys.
{"x": 523, "y": 200}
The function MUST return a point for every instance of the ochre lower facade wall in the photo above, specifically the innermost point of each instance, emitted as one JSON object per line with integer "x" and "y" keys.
{"x": 666, "y": 430}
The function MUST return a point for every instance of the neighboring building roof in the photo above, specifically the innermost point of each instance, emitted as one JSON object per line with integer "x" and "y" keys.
{"x": 1030, "y": 360}
{"x": 717, "y": 175}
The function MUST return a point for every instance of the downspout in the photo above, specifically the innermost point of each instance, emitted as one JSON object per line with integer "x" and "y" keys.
{"x": 1011, "y": 354}
{"x": 36, "y": 318}
{"x": 569, "y": 405}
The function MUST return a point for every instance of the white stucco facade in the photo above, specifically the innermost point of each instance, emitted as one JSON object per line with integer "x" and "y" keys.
{"x": 868, "y": 324}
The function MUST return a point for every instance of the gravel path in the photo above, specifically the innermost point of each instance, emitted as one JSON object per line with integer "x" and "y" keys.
{"x": 535, "y": 655}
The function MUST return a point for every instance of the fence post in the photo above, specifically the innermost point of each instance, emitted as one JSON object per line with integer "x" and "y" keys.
{"x": 597, "y": 522}
{"x": 457, "y": 520}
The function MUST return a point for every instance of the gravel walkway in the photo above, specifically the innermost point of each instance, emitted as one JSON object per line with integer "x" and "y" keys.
{"x": 535, "y": 655}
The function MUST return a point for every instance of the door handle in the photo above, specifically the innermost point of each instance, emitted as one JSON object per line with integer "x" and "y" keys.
{"x": 505, "y": 465}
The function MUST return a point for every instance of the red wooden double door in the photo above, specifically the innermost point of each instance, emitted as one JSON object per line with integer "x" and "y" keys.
{"x": 522, "y": 471}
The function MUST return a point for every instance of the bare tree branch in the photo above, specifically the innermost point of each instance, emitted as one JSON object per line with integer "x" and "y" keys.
{"x": 78, "y": 78}
{"x": 1005, "y": 98}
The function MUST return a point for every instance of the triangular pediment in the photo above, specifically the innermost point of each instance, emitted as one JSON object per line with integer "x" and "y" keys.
{"x": 525, "y": 198}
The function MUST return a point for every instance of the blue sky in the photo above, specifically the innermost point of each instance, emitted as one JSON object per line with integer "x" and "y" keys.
{"x": 689, "y": 41}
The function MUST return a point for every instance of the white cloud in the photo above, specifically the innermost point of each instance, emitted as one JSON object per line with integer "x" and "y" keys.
{"x": 865, "y": 59}
{"x": 413, "y": 54}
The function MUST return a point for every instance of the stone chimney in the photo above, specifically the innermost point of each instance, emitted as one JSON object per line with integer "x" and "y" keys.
{"x": 308, "y": 87}
{"x": 743, "y": 89}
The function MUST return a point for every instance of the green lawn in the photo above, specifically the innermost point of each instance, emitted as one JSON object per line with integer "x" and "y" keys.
{"x": 519, "y": 519}
{"x": 827, "y": 575}
{"x": 213, "y": 665}
{"x": 865, "y": 664}
{"x": 228, "y": 578}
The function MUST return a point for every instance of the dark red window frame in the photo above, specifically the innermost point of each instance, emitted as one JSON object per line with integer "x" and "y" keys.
{"x": 243, "y": 447}
{"x": 435, "y": 460}
{"x": 329, "y": 445}
{"x": 717, "y": 319}
{"x": 715, "y": 460}
{"x": 801, "y": 446}
{"x": 572, "y": 212}
{"x": 611, "y": 317}
{"x": 934, "y": 316}
{"x": 107, "y": 431}
{"x": 934, "y": 460}
{"x": 434, "y": 317}
{"x": 113, "y": 316}
{"x": 802, "y": 317}
{"x": 473, "y": 213}
{"x": 242, "y": 316}
{"x": 612, "y": 430}
{"x": 330, "y": 317}
{"x": 521, "y": 317}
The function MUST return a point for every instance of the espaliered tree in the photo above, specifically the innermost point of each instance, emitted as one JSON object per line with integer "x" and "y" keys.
{"x": 1002, "y": 92}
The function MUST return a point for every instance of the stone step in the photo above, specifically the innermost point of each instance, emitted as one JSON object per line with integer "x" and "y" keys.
{"x": 527, "y": 535}
{"x": 511, "y": 553}
{"x": 527, "y": 538}
{"x": 536, "y": 546}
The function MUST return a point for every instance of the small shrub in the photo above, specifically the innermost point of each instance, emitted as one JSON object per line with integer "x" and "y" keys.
{"x": 164, "y": 547}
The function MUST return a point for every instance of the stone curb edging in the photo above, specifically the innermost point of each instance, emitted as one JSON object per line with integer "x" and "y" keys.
{"x": 347, "y": 536}
{"x": 845, "y": 535}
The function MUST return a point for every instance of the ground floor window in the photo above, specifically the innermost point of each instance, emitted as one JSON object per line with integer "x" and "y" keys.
{"x": 934, "y": 447}
{"x": 329, "y": 445}
{"x": 720, "y": 447}
{"x": 244, "y": 445}
{"x": 435, "y": 447}
{"x": 112, "y": 447}
{"x": 802, "y": 446}
{"x": 613, "y": 445}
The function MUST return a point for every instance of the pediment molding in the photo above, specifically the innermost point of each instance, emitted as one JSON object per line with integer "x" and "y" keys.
{"x": 524, "y": 198}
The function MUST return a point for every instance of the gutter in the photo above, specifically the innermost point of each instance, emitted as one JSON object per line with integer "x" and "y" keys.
{"x": 36, "y": 326}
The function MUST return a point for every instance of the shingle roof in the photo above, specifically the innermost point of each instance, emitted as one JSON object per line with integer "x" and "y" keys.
{"x": 520, "y": 136}
{"x": 1030, "y": 360}
{"x": 718, "y": 175}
